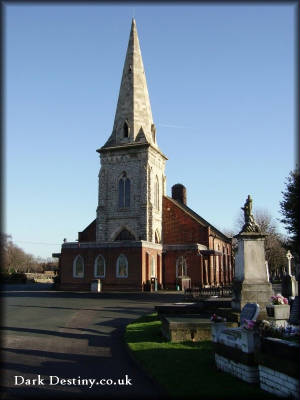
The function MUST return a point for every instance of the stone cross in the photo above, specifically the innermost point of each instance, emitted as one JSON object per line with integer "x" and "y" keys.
{"x": 289, "y": 257}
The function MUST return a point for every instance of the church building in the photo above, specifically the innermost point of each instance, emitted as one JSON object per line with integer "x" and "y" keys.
{"x": 141, "y": 237}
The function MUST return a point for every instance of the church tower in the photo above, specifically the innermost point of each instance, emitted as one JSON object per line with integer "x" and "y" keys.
{"x": 132, "y": 175}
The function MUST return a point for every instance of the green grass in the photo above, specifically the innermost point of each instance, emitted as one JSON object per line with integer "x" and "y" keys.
{"x": 184, "y": 369}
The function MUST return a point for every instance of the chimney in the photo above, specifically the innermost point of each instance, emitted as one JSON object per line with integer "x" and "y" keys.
{"x": 179, "y": 193}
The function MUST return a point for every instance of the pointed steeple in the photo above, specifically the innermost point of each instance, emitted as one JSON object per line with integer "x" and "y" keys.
{"x": 133, "y": 119}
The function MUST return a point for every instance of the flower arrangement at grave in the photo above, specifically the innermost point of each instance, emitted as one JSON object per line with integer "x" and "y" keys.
{"x": 249, "y": 325}
{"x": 217, "y": 318}
{"x": 265, "y": 329}
{"x": 279, "y": 300}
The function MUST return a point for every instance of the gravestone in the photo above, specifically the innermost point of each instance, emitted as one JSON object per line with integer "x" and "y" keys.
{"x": 249, "y": 312}
{"x": 294, "y": 315}
{"x": 251, "y": 281}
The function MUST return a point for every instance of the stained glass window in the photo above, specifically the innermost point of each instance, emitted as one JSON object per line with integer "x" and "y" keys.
{"x": 99, "y": 269}
{"x": 78, "y": 267}
{"x": 122, "y": 267}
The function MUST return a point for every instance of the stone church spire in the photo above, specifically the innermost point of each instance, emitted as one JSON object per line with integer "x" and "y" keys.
{"x": 133, "y": 119}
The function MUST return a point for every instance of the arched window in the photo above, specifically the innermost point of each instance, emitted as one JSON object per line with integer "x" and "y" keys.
{"x": 156, "y": 193}
{"x": 124, "y": 191}
{"x": 153, "y": 268}
{"x": 99, "y": 267}
{"x": 122, "y": 267}
{"x": 78, "y": 267}
{"x": 125, "y": 235}
{"x": 125, "y": 130}
{"x": 181, "y": 267}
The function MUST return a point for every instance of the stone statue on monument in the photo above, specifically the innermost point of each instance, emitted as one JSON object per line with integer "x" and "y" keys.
{"x": 250, "y": 225}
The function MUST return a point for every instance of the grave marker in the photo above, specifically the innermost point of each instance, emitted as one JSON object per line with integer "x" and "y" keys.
{"x": 294, "y": 315}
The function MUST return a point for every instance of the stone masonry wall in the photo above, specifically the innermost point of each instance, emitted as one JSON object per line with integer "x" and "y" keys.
{"x": 142, "y": 164}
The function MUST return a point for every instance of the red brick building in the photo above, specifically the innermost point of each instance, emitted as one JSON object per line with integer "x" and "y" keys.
{"x": 140, "y": 235}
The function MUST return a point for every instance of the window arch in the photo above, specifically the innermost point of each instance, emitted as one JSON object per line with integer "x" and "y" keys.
{"x": 122, "y": 267}
{"x": 99, "y": 267}
{"x": 124, "y": 191}
{"x": 153, "y": 268}
{"x": 181, "y": 267}
{"x": 156, "y": 193}
{"x": 125, "y": 235}
{"x": 78, "y": 267}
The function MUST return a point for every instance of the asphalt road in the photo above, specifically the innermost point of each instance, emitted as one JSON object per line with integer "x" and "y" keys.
{"x": 72, "y": 337}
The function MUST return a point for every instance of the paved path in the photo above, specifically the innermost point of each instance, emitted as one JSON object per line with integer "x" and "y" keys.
{"x": 72, "y": 336}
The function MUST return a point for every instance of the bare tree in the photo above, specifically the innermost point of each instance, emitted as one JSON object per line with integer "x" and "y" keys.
{"x": 14, "y": 259}
{"x": 275, "y": 244}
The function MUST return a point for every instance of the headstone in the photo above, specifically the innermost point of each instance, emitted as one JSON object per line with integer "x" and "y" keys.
{"x": 250, "y": 312}
{"x": 294, "y": 315}
{"x": 289, "y": 287}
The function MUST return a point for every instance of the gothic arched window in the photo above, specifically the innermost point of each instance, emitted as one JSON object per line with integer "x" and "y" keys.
{"x": 125, "y": 235}
{"x": 122, "y": 267}
{"x": 78, "y": 267}
{"x": 125, "y": 130}
{"x": 99, "y": 267}
{"x": 181, "y": 267}
{"x": 124, "y": 192}
{"x": 156, "y": 193}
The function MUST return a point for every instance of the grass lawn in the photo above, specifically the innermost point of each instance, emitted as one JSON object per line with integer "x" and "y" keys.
{"x": 184, "y": 369}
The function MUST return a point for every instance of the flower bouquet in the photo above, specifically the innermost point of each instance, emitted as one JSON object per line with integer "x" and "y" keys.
{"x": 249, "y": 325}
{"x": 279, "y": 300}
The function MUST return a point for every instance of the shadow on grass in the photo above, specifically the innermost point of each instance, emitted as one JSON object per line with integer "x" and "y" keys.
{"x": 185, "y": 369}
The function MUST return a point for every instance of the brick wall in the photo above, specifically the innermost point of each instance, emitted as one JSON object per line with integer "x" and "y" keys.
{"x": 179, "y": 227}
{"x": 134, "y": 257}
{"x": 278, "y": 383}
{"x": 89, "y": 233}
{"x": 137, "y": 267}
{"x": 194, "y": 267}
{"x": 245, "y": 372}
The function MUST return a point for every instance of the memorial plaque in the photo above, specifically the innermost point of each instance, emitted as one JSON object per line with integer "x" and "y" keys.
{"x": 294, "y": 315}
{"x": 250, "y": 311}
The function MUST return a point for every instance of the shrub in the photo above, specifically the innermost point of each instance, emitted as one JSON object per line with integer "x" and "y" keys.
{"x": 17, "y": 277}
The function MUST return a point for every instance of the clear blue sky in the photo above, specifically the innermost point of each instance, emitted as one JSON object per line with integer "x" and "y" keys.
{"x": 221, "y": 80}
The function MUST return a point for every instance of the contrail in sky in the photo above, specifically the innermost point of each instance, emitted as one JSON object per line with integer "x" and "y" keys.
{"x": 174, "y": 126}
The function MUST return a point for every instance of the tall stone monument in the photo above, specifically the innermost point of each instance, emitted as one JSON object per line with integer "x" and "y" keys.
{"x": 289, "y": 287}
{"x": 251, "y": 280}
